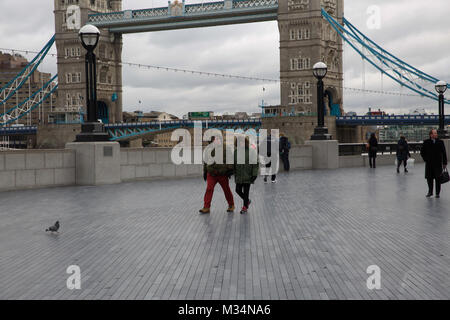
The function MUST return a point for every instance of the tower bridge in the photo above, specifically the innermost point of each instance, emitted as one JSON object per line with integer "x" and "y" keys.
{"x": 305, "y": 37}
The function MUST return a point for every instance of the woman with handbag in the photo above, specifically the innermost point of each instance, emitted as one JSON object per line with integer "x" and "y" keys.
{"x": 373, "y": 148}
{"x": 435, "y": 156}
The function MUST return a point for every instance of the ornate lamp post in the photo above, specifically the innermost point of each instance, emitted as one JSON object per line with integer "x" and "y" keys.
{"x": 92, "y": 130}
{"x": 441, "y": 87}
{"x": 320, "y": 70}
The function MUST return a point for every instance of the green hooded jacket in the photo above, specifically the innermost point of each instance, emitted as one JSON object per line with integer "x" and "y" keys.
{"x": 245, "y": 173}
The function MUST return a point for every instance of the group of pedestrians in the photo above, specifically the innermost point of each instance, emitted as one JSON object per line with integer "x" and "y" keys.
{"x": 245, "y": 172}
{"x": 433, "y": 153}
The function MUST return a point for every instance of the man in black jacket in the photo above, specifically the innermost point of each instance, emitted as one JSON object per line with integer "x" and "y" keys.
{"x": 435, "y": 156}
{"x": 284, "y": 151}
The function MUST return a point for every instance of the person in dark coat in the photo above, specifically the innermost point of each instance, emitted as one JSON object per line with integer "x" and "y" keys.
{"x": 435, "y": 156}
{"x": 373, "y": 148}
{"x": 402, "y": 154}
{"x": 285, "y": 146}
{"x": 245, "y": 173}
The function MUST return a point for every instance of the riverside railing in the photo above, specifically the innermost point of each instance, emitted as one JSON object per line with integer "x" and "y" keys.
{"x": 354, "y": 149}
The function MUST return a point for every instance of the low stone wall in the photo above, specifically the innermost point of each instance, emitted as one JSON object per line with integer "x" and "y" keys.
{"x": 36, "y": 169}
{"x": 300, "y": 157}
{"x": 153, "y": 163}
{"x": 382, "y": 160}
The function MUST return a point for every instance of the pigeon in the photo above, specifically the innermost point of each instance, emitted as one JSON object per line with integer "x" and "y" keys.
{"x": 53, "y": 228}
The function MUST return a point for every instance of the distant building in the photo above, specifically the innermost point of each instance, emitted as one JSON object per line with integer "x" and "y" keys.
{"x": 255, "y": 115}
{"x": 412, "y": 133}
{"x": 139, "y": 116}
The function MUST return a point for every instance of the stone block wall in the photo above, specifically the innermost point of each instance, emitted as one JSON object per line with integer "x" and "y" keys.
{"x": 36, "y": 169}
{"x": 153, "y": 163}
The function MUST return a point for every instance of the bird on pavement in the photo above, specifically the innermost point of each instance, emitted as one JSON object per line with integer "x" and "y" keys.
{"x": 53, "y": 228}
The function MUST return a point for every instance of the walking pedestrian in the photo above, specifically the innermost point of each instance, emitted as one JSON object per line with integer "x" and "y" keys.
{"x": 217, "y": 173}
{"x": 435, "y": 156}
{"x": 372, "y": 145}
{"x": 245, "y": 173}
{"x": 285, "y": 146}
{"x": 402, "y": 154}
{"x": 273, "y": 166}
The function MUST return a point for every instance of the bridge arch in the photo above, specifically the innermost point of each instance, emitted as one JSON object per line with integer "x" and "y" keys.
{"x": 103, "y": 111}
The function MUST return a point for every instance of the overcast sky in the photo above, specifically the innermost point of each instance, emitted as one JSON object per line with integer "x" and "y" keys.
{"x": 416, "y": 31}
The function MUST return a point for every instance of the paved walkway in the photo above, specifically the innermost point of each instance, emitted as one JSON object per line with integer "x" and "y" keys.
{"x": 311, "y": 236}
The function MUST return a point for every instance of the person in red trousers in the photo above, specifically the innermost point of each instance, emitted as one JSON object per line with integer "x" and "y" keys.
{"x": 217, "y": 173}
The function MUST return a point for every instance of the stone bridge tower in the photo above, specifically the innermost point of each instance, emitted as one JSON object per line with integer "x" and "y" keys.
{"x": 306, "y": 38}
{"x": 70, "y": 15}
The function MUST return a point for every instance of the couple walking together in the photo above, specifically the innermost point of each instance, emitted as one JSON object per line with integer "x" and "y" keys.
{"x": 244, "y": 173}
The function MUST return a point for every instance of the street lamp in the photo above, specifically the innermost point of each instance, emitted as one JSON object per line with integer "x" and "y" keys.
{"x": 441, "y": 87}
{"x": 92, "y": 130}
{"x": 320, "y": 70}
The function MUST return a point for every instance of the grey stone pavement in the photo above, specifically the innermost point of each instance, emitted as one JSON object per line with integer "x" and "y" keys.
{"x": 310, "y": 236}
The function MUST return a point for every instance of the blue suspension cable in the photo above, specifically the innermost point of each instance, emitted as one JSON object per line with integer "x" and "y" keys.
{"x": 42, "y": 55}
{"x": 338, "y": 27}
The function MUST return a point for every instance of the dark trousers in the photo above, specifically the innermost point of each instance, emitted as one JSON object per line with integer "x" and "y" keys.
{"x": 400, "y": 163}
{"x": 243, "y": 190}
{"x": 372, "y": 162}
{"x": 285, "y": 158}
{"x": 430, "y": 186}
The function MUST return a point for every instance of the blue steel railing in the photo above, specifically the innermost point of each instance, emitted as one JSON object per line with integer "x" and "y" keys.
{"x": 391, "y": 120}
{"x": 357, "y": 149}
{"x": 120, "y": 131}
{"x": 27, "y": 130}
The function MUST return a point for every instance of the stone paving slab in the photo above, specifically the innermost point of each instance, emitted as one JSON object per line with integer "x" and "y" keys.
{"x": 310, "y": 236}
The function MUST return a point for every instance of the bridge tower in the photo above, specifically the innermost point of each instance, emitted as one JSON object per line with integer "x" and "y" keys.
{"x": 306, "y": 38}
{"x": 70, "y": 16}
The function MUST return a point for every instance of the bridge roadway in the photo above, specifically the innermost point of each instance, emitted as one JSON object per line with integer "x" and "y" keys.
{"x": 127, "y": 130}
{"x": 119, "y": 131}
{"x": 310, "y": 236}
{"x": 181, "y": 16}
{"x": 21, "y": 130}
